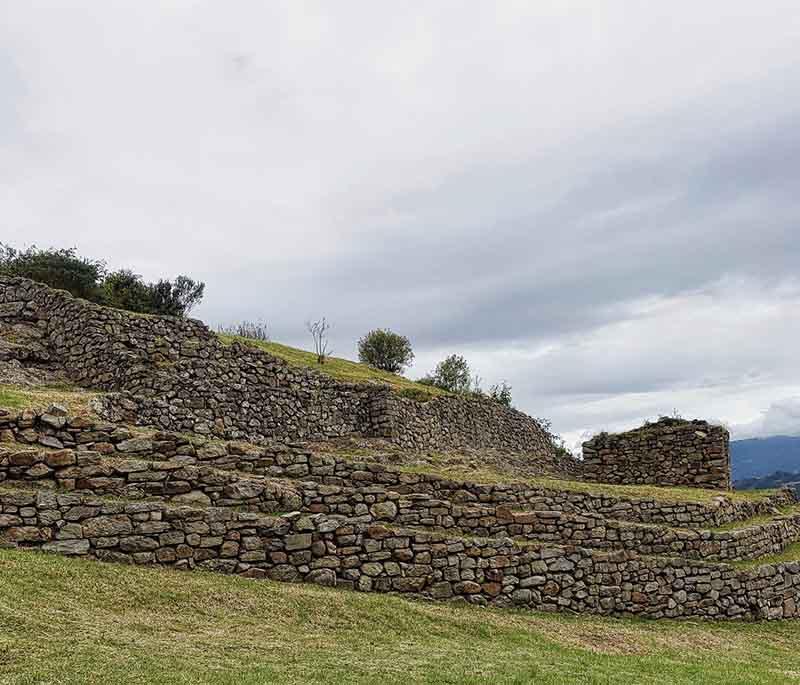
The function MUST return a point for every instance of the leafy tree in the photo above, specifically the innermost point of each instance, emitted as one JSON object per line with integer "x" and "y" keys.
{"x": 501, "y": 392}
{"x": 87, "y": 278}
{"x": 62, "y": 269}
{"x": 175, "y": 298}
{"x": 385, "y": 350}
{"x": 124, "y": 289}
{"x": 451, "y": 374}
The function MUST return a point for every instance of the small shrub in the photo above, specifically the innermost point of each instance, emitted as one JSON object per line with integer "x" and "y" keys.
{"x": 62, "y": 269}
{"x": 88, "y": 279}
{"x": 176, "y": 298}
{"x": 385, "y": 350}
{"x": 501, "y": 392}
{"x": 125, "y": 290}
{"x": 452, "y": 374}
{"x": 559, "y": 446}
{"x": 252, "y": 330}
{"x": 319, "y": 333}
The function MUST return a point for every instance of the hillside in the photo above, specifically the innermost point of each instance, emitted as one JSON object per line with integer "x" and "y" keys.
{"x": 72, "y": 622}
{"x": 341, "y": 369}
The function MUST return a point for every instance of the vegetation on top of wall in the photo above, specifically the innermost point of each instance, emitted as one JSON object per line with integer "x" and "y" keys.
{"x": 90, "y": 280}
{"x": 385, "y": 350}
{"x": 341, "y": 369}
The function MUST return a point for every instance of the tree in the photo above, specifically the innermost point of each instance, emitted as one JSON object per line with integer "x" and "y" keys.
{"x": 87, "y": 278}
{"x": 319, "y": 332}
{"x": 385, "y": 350}
{"x": 501, "y": 392}
{"x": 124, "y": 289}
{"x": 62, "y": 269}
{"x": 452, "y": 374}
{"x": 176, "y": 298}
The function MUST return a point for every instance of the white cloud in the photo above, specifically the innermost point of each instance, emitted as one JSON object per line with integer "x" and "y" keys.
{"x": 595, "y": 201}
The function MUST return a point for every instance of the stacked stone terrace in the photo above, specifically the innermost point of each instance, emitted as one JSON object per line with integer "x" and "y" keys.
{"x": 176, "y": 374}
{"x": 280, "y": 511}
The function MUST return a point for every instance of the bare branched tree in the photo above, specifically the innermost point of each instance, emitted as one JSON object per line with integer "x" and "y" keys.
{"x": 319, "y": 332}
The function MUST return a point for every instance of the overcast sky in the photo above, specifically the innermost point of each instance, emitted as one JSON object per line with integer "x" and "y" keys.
{"x": 597, "y": 201}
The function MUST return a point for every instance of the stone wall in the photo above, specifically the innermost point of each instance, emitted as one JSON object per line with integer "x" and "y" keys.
{"x": 379, "y": 558}
{"x": 341, "y": 477}
{"x": 669, "y": 452}
{"x": 183, "y": 482}
{"x": 176, "y": 374}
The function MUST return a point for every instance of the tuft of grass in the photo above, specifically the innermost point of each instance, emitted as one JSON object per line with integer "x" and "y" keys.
{"x": 71, "y": 621}
{"x": 759, "y": 520}
{"x": 791, "y": 553}
{"x": 76, "y": 400}
{"x": 341, "y": 369}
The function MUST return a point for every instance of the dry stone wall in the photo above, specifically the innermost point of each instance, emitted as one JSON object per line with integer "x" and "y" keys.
{"x": 340, "y": 477}
{"x": 379, "y": 558}
{"x": 176, "y": 374}
{"x": 669, "y": 452}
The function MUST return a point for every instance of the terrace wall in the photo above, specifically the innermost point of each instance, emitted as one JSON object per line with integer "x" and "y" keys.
{"x": 669, "y": 452}
{"x": 176, "y": 374}
{"x": 377, "y": 558}
{"x": 294, "y": 461}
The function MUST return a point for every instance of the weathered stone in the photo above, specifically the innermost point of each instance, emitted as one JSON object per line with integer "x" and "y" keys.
{"x": 384, "y": 510}
{"x": 298, "y": 541}
{"x": 135, "y": 445}
{"x": 67, "y": 546}
{"x": 322, "y": 576}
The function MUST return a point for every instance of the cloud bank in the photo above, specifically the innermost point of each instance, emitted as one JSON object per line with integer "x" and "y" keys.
{"x": 597, "y": 202}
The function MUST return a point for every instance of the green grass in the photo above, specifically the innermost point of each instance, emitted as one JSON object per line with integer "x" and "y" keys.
{"x": 73, "y": 622}
{"x": 791, "y": 553}
{"x": 758, "y": 520}
{"x": 341, "y": 369}
{"x": 75, "y": 400}
{"x": 656, "y": 492}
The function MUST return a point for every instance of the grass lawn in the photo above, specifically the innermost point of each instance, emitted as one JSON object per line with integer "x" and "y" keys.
{"x": 341, "y": 369}
{"x": 75, "y": 400}
{"x": 76, "y": 621}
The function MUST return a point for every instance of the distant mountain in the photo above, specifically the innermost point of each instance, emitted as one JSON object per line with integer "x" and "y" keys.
{"x": 773, "y": 480}
{"x": 759, "y": 457}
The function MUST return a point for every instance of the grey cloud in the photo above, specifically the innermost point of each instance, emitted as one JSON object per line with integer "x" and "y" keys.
{"x": 554, "y": 193}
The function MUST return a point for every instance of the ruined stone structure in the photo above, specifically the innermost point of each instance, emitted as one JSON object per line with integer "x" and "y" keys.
{"x": 176, "y": 374}
{"x": 669, "y": 452}
{"x": 207, "y": 483}
{"x": 100, "y": 490}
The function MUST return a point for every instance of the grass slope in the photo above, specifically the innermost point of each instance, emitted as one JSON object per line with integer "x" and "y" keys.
{"x": 341, "y": 369}
{"x": 663, "y": 493}
{"x": 74, "y": 621}
{"x": 75, "y": 400}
